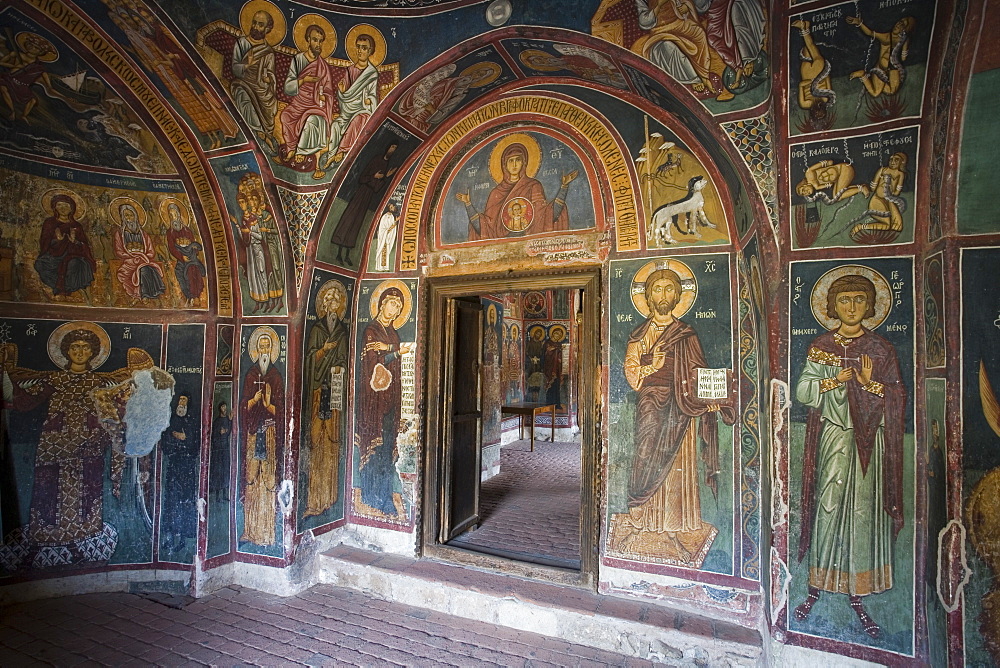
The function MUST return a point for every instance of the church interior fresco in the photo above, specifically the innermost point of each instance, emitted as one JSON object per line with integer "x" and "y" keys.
{"x": 187, "y": 225}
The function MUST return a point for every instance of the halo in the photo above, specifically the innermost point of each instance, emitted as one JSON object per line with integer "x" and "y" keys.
{"x": 511, "y": 330}
{"x": 50, "y": 55}
{"x": 528, "y": 54}
{"x": 689, "y": 286}
{"x": 118, "y": 202}
{"x": 255, "y": 336}
{"x": 559, "y": 328}
{"x": 492, "y": 308}
{"x": 299, "y": 33}
{"x": 60, "y": 332}
{"x": 528, "y": 213}
{"x": 378, "y": 56}
{"x": 883, "y": 295}
{"x": 81, "y": 205}
{"x": 333, "y": 285}
{"x": 488, "y": 73}
{"x": 530, "y": 331}
{"x": 404, "y": 315}
{"x": 539, "y": 302}
{"x": 529, "y": 143}
{"x": 181, "y": 206}
{"x": 280, "y": 29}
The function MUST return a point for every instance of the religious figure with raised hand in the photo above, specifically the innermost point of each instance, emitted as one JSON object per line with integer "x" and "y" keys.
{"x": 379, "y": 420}
{"x": 662, "y": 362}
{"x": 91, "y": 430}
{"x": 139, "y": 273}
{"x": 513, "y": 163}
{"x": 254, "y": 84}
{"x": 325, "y": 373}
{"x": 305, "y": 120}
{"x": 263, "y": 422}
{"x": 65, "y": 261}
{"x": 189, "y": 270}
{"x": 357, "y": 92}
{"x": 852, "y": 469}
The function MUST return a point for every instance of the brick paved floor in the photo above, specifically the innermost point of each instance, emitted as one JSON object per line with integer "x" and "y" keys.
{"x": 531, "y": 509}
{"x": 235, "y": 627}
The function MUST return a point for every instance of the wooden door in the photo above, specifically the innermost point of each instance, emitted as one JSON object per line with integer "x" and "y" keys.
{"x": 463, "y": 446}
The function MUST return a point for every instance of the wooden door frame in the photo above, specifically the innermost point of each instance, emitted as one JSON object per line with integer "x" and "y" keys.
{"x": 439, "y": 291}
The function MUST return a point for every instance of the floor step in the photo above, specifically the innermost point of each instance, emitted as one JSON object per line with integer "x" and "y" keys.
{"x": 635, "y": 628}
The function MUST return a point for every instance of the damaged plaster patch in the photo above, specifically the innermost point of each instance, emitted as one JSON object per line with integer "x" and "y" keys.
{"x": 780, "y": 581}
{"x": 780, "y": 405}
{"x": 286, "y": 494}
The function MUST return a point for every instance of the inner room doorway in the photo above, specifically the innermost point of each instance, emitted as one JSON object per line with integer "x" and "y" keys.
{"x": 492, "y": 499}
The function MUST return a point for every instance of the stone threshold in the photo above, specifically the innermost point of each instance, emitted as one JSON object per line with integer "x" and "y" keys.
{"x": 635, "y": 628}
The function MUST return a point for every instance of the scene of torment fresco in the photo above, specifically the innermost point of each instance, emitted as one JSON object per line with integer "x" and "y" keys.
{"x": 220, "y": 223}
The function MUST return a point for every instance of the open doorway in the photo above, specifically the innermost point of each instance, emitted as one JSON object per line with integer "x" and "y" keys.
{"x": 492, "y": 497}
{"x": 530, "y": 468}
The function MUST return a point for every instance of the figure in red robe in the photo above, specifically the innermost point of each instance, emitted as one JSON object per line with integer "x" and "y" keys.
{"x": 545, "y": 216}
{"x": 65, "y": 262}
{"x": 381, "y": 407}
{"x": 305, "y": 121}
{"x": 263, "y": 421}
{"x": 189, "y": 270}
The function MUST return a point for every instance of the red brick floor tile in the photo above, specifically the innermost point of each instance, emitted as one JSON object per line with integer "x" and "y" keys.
{"x": 534, "y": 489}
{"x": 326, "y": 626}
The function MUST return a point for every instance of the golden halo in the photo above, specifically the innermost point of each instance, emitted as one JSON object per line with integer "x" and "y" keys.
{"x": 333, "y": 285}
{"x": 491, "y": 310}
{"x": 514, "y": 331}
{"x": 528, "y": 54}
{"x": 60, "y": 332}
{"x": 255, "y": 336}
{"x": 280, "y": 29}
{"x": 532, "y": 329}
{"x": 558, "y": 328}
{"x": 299, "y": 33}
{"x": 181, "y": 206}
{"x": 81, "y": 205}
{"x": 116, "y": 210}
{"x": 50, "y": 55}
{"x": 529, "y": 143}
{"x": 528, "y": 214}
{"x": 404, "y": 315}
{"x": 378, "y": 56}
{"x": 484, "y": 73}
{"x": 883, "y": 295}
{"x": 689, "y": 286}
